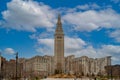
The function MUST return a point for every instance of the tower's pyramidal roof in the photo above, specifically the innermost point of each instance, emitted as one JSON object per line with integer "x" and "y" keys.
{"x": 59, "y": 29}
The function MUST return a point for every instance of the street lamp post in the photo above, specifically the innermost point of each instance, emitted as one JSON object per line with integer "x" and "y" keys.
{"x": 16, "y": 63}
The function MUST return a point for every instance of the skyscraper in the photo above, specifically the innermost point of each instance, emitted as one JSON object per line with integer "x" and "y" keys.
{"x": 59, "y": 47}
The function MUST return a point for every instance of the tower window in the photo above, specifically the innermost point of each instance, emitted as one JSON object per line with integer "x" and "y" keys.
{"x": 59, "y": 37}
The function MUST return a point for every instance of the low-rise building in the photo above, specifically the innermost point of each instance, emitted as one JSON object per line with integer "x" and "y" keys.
{"x": 38, "y": 66}
{"x": 113, "y": 70}
{"x": 8, "y": 69}
{"x": 87, "y": 66}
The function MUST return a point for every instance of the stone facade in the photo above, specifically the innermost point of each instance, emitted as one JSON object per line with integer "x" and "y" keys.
{"x": 87, "y": 66}
{"x": 8, "y": 69}
{"x": 38, "y": 66}
{"x": 81, "y": 66}
{"x": 113, "y": 70}
{"x": 69, "y": 64}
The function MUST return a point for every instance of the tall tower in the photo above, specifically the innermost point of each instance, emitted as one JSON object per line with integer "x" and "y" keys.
{"x": 59, "y": 47}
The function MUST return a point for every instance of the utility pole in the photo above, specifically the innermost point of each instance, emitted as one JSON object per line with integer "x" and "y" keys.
{"x": 16, "y": 63}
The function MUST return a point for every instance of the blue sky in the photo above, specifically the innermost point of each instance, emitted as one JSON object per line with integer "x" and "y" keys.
{"x": 91, "y": 27}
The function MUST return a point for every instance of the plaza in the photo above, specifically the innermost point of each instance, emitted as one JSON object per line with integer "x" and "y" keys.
{"x": 74, "y": 79}
{"x": 67, "y": 79}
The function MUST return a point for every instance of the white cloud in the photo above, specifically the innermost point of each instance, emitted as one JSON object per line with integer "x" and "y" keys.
{"x": 9, "y": 51}
{"x": 85, "y": 7}
{"x": 48, "y": 42}
{"x": 41, "y": 35}
{"x": 92, "y": 20}
{"x": 28, "y": 15}
{"x": 88, "y": 6}
{"x": 47, "y": 45}
{"x": 116, "y": 35}
{"x": 111, "y": 50}
{"x": 73, "y": 44}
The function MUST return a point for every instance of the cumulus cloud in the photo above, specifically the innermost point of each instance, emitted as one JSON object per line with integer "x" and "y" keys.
{"x": 28, "y": 15}
{"x": 48, "y": 42}
{"x": 9, "y": 51}
{"x": 88, "y": 6}
{"x": 116, "y": 35}
{"x": 92, "y": 20}
{"x": 111, "y": 50}
{"x": 73, "y": 44}
{"x": 85, "y": 7}
{"x": 47, "y": 45}
{"x": 41, "y": 35}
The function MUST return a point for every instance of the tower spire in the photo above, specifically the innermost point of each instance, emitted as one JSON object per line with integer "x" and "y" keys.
{"x": 59, "y": 19}
{"x": 59, "y": 25}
